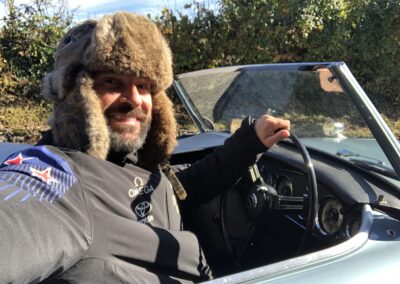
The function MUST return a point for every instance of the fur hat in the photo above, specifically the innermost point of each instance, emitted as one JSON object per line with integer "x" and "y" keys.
{"x": 121, "y": 43}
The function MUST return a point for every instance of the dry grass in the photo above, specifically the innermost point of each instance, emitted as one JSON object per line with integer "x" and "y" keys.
{"x": 23, "y": 123}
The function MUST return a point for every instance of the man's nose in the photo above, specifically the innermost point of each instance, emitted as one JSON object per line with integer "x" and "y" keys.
{"x": 131, "y": 95}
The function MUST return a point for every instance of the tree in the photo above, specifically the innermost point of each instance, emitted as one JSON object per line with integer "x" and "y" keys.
{"x": 194, "y": 37}
{"x": 28, "y": 40}
{"x": 363, "y": 33}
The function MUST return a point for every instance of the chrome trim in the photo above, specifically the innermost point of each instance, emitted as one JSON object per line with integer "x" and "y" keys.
{"x": 303, "y": 261}
{"x": 194, "y": 115}
{"x": 319, "y": 228}
{"x": 296, "y": 221}
{"x": 258, "y": 67}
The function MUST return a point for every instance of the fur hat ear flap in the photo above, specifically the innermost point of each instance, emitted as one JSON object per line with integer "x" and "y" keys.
{"x": 161, "y": 140}
{"x": 58, "y": 83}
{"x": 77, "y": 121}
{"x": 48, "y": 91}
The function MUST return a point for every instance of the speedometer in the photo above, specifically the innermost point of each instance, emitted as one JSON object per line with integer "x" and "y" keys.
{"x": 331, "y": 216}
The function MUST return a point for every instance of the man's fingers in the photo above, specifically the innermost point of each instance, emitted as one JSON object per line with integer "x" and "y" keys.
{"x": 271, "y": 130}
{"x": 282, "y": 135}
{"x": 279, "y": 136}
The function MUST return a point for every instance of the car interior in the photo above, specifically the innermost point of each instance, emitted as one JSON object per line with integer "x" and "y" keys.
{"x": 241, "y": 229}
{"x": 295, "y": 200}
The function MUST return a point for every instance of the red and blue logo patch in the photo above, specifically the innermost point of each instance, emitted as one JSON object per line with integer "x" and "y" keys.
{"x": 35, "y": 172}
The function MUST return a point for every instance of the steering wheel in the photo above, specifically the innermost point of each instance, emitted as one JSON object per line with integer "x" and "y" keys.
{"x": 263, "y": 198}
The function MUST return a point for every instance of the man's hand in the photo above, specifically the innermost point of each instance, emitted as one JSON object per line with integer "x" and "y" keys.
{"x": 271, "y": 130}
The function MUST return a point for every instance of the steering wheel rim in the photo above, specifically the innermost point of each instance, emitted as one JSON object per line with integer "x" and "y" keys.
{"x": 312, "y": 198}
{"x": 313, "y": 190}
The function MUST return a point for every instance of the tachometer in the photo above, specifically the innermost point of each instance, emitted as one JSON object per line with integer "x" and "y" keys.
{"x": 284, "y": 186}
{"x": 331, "y": 216}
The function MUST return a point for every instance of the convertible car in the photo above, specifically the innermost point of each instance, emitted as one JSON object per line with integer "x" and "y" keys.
{"x": 322, "y": 207}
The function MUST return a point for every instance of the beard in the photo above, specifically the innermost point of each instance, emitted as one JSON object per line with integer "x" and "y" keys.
{"x": 120, "y": 144}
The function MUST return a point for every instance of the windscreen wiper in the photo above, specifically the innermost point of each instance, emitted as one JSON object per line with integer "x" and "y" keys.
{"x": 368, "y": 163}
{"x": 374, "y": 167}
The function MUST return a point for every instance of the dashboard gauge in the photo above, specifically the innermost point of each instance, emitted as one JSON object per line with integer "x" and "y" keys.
{"x": 271, "y": 179}
{"x": 353, "y": 227}
{"x": 284, "y": 186}
{"x": 331, "y": 216}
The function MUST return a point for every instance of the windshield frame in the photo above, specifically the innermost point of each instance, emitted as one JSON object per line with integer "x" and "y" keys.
{"x": 378, "y": 127}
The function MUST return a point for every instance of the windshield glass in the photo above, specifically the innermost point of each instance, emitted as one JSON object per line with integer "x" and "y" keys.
{"x": 320, "y": 111}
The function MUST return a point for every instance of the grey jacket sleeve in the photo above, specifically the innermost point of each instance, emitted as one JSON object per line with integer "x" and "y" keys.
{"x": 220, "y": 170}
{"x": 44, "y": 224}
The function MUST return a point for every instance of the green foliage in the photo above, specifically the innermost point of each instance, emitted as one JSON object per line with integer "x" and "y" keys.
{"x": 363, "y": 33}
{"x": 28, "y": 39}
{"x": 195, "y": 38}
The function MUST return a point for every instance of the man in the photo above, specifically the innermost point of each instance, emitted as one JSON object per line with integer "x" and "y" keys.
{"x": 97, "y": 208}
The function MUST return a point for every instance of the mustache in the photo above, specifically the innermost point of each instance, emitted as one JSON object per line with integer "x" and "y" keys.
{"x": 124, "y": 111}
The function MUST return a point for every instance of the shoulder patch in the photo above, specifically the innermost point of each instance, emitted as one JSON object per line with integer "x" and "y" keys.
{"x": 35, "y": 172}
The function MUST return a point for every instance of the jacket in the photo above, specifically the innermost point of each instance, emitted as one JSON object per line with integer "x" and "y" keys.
{"x": 68, "y": 217}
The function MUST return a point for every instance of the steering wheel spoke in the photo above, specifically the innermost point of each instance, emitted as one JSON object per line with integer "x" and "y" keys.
{"x": 262, "y": 199}
{"x": 290, "y": 203}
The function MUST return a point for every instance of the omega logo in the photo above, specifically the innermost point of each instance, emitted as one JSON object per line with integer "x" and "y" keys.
{"x": 139, "y": 189}
{"x": 138, "y": 182}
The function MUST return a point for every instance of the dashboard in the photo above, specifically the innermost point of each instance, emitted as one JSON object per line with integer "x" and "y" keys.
{"x": 336, "y": 219}
{"x": 224, "y": 224}
{"x": 342, "y": 189}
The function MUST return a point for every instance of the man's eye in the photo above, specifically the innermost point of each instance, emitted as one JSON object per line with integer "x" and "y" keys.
{"x": 144, "y": 86}
{"x": 110, "y": 82}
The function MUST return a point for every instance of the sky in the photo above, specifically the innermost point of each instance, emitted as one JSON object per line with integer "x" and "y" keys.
{"x": 96, "y": 8}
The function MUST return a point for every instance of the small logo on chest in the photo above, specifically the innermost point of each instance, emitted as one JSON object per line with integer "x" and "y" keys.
{"x": 142, "y": 209}
{"x": 139, "y": 188}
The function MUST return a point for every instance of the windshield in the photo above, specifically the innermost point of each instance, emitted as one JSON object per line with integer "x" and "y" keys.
{"x": 322, "y": 114}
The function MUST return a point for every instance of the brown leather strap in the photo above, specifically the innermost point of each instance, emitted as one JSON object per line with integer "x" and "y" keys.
{"x": 176, "y": 184}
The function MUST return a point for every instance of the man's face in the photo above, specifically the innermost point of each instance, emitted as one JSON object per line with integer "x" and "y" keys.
{"x": 126, "y": 103}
